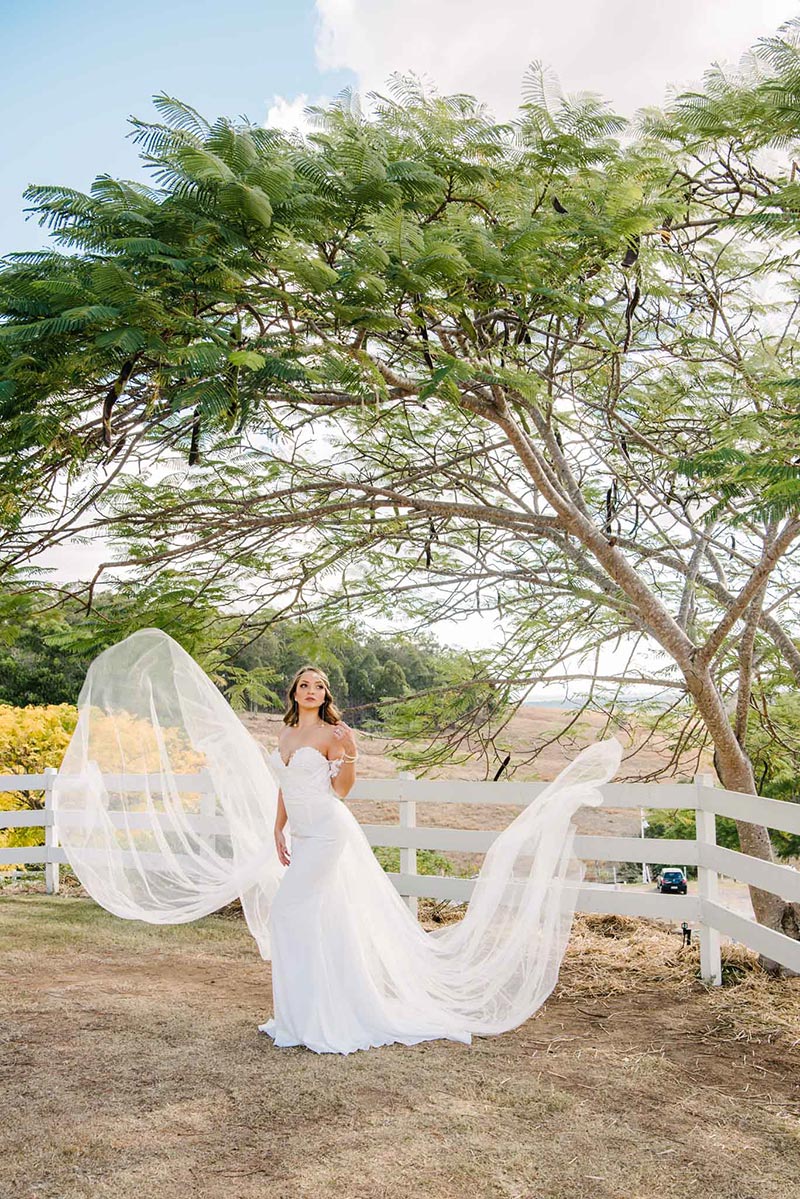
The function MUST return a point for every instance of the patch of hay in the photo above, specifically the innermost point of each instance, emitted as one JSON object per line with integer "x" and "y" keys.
{"x": 753, "y": 1005}
{"x": 611, "y": 955}
{"x": 611, "y": 925}
{"x": 614, "y": 955}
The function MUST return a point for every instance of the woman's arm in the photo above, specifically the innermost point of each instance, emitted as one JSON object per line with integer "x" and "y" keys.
{"x": 281, "y": 818}
{"x": 344, "y": 752}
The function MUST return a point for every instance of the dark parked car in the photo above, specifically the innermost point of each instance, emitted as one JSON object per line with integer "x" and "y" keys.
{"x": 671, "y": 880}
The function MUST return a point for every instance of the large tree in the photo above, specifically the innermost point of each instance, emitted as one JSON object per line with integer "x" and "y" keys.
{"x": 421, "y": 360}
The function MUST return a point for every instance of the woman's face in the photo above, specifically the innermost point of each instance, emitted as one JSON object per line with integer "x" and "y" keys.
{"x": 309, "y": 692}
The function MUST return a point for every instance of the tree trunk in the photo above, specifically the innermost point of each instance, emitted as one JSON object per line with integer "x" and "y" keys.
{"x": 733, "y": 766}
{"x": 736, "y": 774}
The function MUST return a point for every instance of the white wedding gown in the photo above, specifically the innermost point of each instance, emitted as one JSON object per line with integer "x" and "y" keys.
{"x": 329, "y": 987}
{"x": 166, "y": 805}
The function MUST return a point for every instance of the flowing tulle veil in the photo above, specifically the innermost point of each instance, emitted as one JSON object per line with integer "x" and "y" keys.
{"x": 164, "y": 803}
{"x": 165, "y": 807}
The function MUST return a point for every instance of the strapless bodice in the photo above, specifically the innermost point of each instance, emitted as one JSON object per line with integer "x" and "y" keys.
{"x": 306, "y": 777}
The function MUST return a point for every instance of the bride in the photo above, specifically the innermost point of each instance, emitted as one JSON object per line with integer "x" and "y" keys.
{"x": 168, "y": 809}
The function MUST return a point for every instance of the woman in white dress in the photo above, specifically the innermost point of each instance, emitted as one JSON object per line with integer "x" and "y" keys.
{"x": 315, "y": 764}
{"x": 168, "y": 809}
{"x": 325, "y": 994}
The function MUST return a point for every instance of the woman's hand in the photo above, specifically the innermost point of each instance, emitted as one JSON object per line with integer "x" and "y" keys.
{"x": 345, "y": 768}
{"x": 280, "y": 845}
{"x": 343, "y": 733}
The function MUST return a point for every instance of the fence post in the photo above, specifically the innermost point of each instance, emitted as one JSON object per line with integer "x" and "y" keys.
{"x": 643, "y": 824}
{"x": 208, "y": 804}
{"x": 707, "y": 885}
{"x": 51, "y": 867}
{"x": 408, "y": 854}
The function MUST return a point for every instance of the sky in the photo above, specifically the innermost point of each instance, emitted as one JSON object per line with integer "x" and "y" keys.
{"x": 73, "y": 71}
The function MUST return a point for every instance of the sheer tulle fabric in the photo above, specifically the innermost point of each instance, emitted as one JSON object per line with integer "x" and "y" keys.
{"x": 352, "y": 967}
{"x": 164, "y": 803}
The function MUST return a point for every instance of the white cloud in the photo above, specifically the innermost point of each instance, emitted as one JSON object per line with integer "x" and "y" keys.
{"x": 289, "y": 114}
{"x": 626, "y": 50}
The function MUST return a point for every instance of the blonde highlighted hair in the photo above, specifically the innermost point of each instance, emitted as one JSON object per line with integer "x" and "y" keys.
{"x": 327, "y": 711}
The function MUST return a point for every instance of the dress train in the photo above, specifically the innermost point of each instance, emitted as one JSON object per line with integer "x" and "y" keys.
{"x": 166, "y": 805}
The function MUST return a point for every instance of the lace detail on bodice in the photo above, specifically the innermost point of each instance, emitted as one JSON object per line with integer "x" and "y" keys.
{"x": 316, "y": 762}
{"x": 334, "y": 766}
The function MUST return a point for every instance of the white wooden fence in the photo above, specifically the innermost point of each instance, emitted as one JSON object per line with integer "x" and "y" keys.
{"x": 703, "y": 909}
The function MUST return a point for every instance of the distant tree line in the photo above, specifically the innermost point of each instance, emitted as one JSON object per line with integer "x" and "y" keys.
{"x": 362, "y": 670}
{"x": 44, "y": 659}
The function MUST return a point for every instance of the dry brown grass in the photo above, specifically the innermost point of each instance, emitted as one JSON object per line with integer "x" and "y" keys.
{"x": 132, "y": 1068}
{"x": 530, "y": 729}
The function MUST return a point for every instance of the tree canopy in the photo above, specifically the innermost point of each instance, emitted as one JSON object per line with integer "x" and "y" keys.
{"x": 423, "y": 363}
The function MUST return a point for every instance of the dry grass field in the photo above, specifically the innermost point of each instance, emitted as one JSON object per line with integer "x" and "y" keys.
{"x": 132, "y": 1067}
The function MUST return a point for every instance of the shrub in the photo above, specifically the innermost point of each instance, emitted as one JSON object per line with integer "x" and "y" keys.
{"x": 30, "y": 739}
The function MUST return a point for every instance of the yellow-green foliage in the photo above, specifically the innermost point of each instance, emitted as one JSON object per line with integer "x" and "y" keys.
{"x": 125, "y": 741}
{"x": 31, "y": 739}
{"x": 35, "y": 737}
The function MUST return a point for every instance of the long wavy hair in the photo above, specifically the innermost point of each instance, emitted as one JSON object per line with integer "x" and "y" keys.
{"x": 327, "y": 710}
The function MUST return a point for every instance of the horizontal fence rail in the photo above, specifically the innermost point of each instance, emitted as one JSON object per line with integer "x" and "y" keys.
{"x": 707, "y": 801}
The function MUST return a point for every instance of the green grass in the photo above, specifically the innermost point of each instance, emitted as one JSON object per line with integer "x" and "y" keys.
{"x": 428, "y": 862}
{"x": 71, "y": 922}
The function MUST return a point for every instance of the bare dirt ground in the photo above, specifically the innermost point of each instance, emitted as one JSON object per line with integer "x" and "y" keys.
{"x": 132, "y": 1067}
